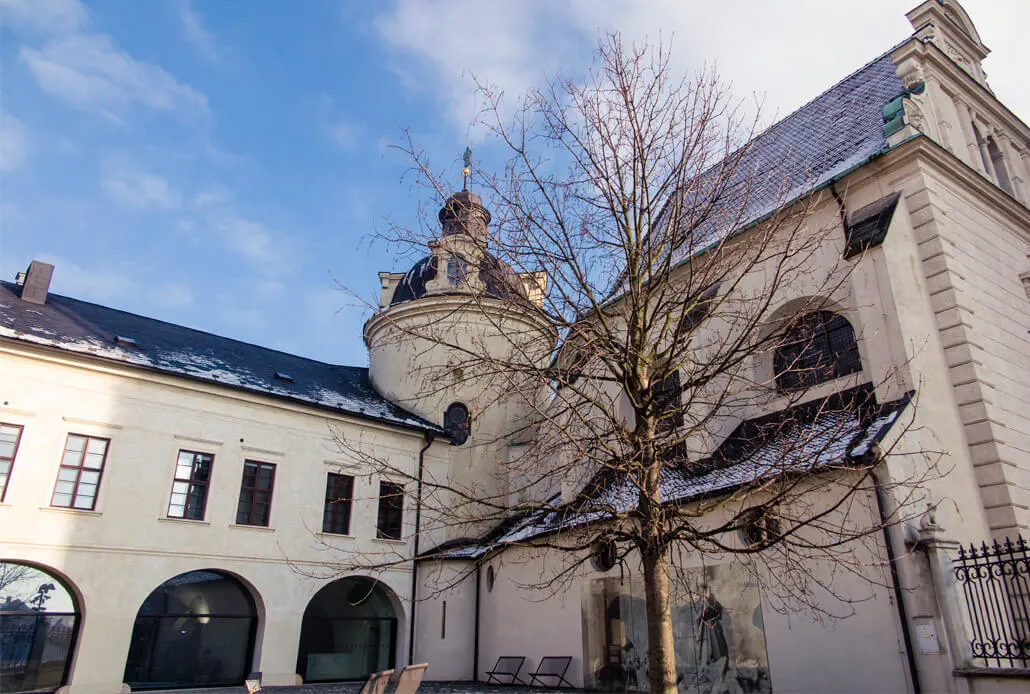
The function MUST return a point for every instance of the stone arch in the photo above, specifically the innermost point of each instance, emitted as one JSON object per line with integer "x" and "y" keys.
{"x": 351, "y": 627}
{"x": 198, "y": 628}
{"x": 42, "y": 612}
{"x": 764, "y": 368}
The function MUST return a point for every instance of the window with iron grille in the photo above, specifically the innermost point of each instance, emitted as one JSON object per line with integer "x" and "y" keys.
{"x": 457, "y": 422}
{"x": 339, "y": 492}
{"x": 10, "y": 436}
{"x": 255, "y": 493}
{"x": 391, "y": 511}
{"x": 79, "y": 476}
{"x": 189, "y": 489}
{"x": 821, "y": 347}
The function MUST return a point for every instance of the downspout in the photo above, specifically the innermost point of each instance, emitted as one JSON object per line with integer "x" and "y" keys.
{"x": 475, "y": 636}
{"x": 881, "y": 507}
{"x": 418, "y": 532}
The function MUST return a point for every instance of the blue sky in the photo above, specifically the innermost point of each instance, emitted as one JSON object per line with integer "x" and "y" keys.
{"x": 217, "y": 163}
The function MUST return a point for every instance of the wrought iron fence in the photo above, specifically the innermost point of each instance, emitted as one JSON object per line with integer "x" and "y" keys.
{"x": 995, "y": 581}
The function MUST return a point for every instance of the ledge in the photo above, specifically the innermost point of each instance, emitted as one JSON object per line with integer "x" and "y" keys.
{"x": 187, "y": 521}
{"x": 1007, "y": 672}
{"x": 335, "y": 536}
{"x": 72, "y": 511}
{"x": 259, "y": 528}
{"x": 388, "y": 541}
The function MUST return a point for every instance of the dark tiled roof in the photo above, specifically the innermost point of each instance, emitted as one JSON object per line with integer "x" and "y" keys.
{"x": 831, "y": 432}
{"x": 79, "y": 326}
{"x": 838, "y": 130}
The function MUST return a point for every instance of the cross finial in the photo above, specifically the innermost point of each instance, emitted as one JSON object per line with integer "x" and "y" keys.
{"x": 467, "y": 169}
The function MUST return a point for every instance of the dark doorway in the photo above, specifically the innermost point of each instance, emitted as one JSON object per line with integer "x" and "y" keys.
{"x": 39, "y": 620}
{"x": 349, "y": 631}
{"x": 195, "y": 630}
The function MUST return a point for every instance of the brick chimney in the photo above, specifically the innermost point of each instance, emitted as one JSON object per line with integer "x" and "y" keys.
{"x": 37, "y": 282}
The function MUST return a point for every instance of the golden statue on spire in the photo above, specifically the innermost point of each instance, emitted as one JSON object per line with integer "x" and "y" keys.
{"x": 466, "y": 171}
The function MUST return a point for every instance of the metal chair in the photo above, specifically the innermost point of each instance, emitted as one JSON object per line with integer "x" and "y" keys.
{"x": 507, "y": 666}
{"x": 554, "y": 667}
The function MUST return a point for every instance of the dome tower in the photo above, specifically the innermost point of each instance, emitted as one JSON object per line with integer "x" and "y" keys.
{"x": 442, "y": 330}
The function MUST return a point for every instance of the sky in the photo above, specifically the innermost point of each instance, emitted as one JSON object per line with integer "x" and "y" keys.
{"x": 226, "y": 164}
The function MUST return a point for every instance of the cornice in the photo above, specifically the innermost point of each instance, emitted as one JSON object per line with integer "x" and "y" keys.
{"x": 185, "y": 382}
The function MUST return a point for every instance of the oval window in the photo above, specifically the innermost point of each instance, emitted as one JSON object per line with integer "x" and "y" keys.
{"x": 491, "y": 576}
{"x": 457, "y": 422}
{"x": 606, "y": 555}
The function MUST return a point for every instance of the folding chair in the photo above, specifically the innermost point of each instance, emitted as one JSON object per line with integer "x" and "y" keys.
{"x": 377, "y": 682}
{"x": 554, "y": 667}
{"x": 507, "y": 666}
{"x": 411, "y": 679}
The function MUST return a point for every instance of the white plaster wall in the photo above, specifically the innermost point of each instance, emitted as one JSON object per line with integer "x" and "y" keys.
{"x": 116, "y": 555}
{"x": 449, "y": 652}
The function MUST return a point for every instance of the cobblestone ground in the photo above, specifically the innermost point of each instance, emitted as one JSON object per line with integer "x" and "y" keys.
{"x": 355, "y": 687}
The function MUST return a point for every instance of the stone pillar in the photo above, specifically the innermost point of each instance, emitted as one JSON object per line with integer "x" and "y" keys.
{"x": 951, "y": 608}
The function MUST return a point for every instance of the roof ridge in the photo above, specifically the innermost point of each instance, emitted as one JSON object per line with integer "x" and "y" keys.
{"x": 12, "y": 286}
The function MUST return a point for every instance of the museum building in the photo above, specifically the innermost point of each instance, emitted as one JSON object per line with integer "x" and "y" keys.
{"x": 179, "y": 509}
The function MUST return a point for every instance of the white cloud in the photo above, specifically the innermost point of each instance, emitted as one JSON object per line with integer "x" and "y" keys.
{"x": 91, "y": 284}
{"x": 786, "y": 52}
{"x": 192, "y": 27}
{"x": 128, "y": 185}
{"x": 89, "y": 71}
{"x": 345, "y": 134}
{"x": 14, "y": 142}
{"x": 46, "y": 16}
{"x": 173, "y": 295}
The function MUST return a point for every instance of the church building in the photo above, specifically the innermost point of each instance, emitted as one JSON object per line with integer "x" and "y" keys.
{"x": 180, "y": 509}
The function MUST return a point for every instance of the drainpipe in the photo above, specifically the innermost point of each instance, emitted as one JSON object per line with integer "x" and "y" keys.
{"x": 475, "y": 648}
{"x": 418, "y": 532}
{"x": 881, "y": 507}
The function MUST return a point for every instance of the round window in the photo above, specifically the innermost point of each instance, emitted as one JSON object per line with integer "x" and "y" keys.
{"x": 759, "y": 527}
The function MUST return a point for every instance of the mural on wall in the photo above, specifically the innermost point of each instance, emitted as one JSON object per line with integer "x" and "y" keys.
{"x": 717, "y": 625}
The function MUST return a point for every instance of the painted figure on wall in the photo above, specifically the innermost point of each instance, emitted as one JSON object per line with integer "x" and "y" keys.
{"x": 717, "y": 624}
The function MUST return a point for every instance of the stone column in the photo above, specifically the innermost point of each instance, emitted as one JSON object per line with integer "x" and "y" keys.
{"x": 951, "y": 607}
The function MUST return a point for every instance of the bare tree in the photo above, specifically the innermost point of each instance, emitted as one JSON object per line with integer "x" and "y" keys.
{"x": 653, "y": 264}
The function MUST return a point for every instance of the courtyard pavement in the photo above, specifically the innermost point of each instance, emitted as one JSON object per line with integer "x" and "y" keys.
{"x": 355, "y": 687}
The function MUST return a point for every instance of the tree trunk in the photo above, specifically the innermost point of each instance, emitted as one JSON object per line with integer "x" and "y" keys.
{"x": 661, "y": 658}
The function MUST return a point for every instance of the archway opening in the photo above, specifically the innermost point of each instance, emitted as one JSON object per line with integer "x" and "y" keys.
{"x": 196, "y": 629}
{"x": 39, "y": 620}
{"x": 349, "y": 631}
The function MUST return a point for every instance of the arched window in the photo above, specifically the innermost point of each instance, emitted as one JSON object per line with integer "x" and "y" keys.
{"x": 349, "y": 631}
{"x": 39, "y": 621}
{"x": 457, "y": 423}
{"x": 196, "y": 629}
{"x": 819, "y": 348}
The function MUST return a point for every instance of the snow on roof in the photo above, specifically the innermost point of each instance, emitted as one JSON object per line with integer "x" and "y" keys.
{"x": 78, "y": 326}
{"x": 831, "y": 432}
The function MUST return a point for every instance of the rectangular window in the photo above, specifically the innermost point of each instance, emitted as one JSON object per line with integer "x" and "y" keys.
{"x": 79, "y": 476}
{"x": 189, "y": 489}
{"x": 255, "y": 493}
{"x": 339, "y": 491}
{"x": 391, "y": 511}
{"x": 10, "y": 436}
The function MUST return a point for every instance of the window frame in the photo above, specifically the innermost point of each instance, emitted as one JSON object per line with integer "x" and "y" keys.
{"x": 191, "y": 482}
{"x": 79, "y": 469}
{"x": 10, "y": 461}
{"x": 813, "y": 332}
{"x": 331, "y": 509}
{"x": 386, "y": 498}
{"x": 252, "y": 493}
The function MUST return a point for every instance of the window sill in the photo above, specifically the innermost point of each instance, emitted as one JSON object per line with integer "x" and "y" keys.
{"x": 389, "y": 541}
{"x": 187, "y": 521}
{"x": 259, "y": 528}
{"x": 336, "y": 536}
{"x": 72, "y": 511}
